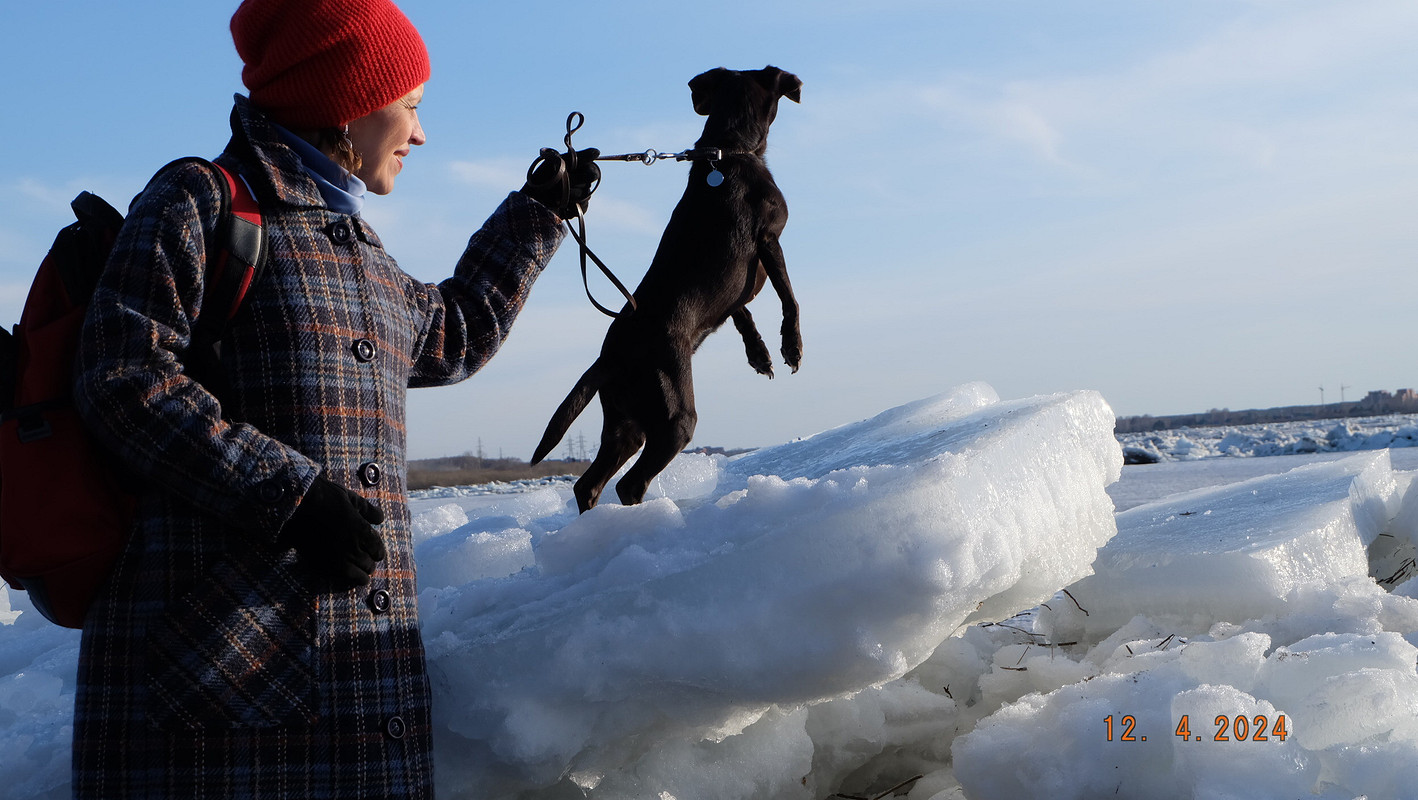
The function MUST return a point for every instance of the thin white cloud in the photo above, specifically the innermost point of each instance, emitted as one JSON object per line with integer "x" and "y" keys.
{"x": 489, "y": 174}
{"x": 664, "y": 137}
{"x": 1012, "y": 113}
{"x": 1257, "y": 95}
{"x": 50, "y": 196}
{"x": 1261, "y": 69}
{"x": 606, "y": 210}
{"x": 1284, "y": 44}
{"x": 625, "y": 216}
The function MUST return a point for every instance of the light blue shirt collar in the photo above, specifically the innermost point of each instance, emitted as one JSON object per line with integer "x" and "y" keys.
{"x": 342, "y": 190}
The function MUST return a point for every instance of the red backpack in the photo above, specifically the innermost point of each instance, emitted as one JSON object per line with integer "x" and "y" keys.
{"x": 64, "y": 517}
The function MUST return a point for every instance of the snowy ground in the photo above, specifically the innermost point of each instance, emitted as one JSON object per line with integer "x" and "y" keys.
{"x": 883, "y": 601}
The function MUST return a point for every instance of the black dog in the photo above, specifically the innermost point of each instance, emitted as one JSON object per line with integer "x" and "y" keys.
{"x": 719, "y": 247}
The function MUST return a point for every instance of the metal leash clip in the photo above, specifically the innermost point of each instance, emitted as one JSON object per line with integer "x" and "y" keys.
{"x": 652, "y": 155}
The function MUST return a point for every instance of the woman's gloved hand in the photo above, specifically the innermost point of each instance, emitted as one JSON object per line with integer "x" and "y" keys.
{"x": 332, "y": 531}
{"x": 563, "y": 182}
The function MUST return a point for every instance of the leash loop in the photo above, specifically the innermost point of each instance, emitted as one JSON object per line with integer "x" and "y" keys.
{"x": 574, "y": 121}
{"x": 565, "y": 164}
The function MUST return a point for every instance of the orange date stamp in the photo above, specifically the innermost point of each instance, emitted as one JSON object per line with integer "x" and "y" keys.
{"x": 1240, "y": 728}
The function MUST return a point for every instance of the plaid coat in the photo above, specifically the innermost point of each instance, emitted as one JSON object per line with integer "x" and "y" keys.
{"x": 212, "y": 665}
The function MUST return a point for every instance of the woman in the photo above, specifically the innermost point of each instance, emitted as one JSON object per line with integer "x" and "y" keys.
{"x": 259, "y": 636}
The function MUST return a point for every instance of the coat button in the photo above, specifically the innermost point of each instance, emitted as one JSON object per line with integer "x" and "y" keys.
{"x": 395, "y": 728}
{"x": 270, "y": 491}
{"x": 379, "y": 601}
{"x": 363, "y": 350}
{"x": 370, "y": 474}
{"x": 341, "y": 233}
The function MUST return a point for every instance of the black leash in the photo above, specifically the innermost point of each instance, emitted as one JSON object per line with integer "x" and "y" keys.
{"x": 567, "y": 162}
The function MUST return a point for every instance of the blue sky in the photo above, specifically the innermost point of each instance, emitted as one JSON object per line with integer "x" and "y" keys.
{"x": 1180, "y": 205}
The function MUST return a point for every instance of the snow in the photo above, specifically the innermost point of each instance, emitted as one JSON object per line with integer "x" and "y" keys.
{"x": 1236, "y": 551}
{"x": 1275, "y": 438}
{"x": 887, "y": 600}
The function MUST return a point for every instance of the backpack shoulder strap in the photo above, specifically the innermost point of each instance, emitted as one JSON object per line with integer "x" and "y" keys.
{"x": 240, "y": 254}
{"x": 234, "y": 262}
{"x": 243, "y": 247}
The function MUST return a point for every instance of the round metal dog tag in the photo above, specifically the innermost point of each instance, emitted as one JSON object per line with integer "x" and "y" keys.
{"x": 715, "y": 178}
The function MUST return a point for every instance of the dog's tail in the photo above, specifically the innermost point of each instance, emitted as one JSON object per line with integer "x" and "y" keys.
{"x": 571, "y": 408}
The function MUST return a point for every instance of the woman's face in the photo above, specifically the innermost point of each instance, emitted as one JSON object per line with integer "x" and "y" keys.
{"x": 382, "y": 139}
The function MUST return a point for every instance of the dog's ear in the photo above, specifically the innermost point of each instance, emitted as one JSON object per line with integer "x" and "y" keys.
{"x": 782, "y": 83}
{"x": 701, "y": 89}
{"x": 790, "y": 86}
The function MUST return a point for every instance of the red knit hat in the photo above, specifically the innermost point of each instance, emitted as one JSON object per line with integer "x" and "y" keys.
{"x": 321, "y": 63}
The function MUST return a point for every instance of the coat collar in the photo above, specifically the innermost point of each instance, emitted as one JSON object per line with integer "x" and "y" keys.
{"x": 270, "y": 165}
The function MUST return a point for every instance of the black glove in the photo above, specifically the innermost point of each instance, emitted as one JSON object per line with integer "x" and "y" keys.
{"x": 563, "y": 182}
{"x": 332, "y": 533}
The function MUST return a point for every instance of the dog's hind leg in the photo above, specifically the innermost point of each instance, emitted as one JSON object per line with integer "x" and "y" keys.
{"x": 758, "y": 355}
{"x": 665, "y": 437}
{"x": 620, "y": 438}
{"x": 660, "y": 450}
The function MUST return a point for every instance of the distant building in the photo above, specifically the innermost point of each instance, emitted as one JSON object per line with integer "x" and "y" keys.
{"x": 1390, "y": 402}
{"x": 1376, "y": 399}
